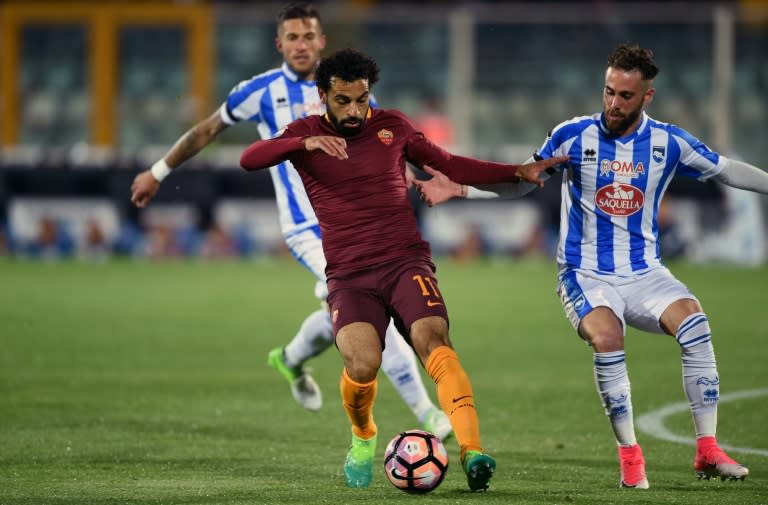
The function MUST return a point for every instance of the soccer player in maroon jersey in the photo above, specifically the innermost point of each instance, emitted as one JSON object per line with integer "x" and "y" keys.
{"x": 352, "y": 163}
{"x": 270, "y": 100}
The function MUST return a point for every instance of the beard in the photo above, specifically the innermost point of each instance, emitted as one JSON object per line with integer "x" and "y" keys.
{"x": 344, "y": 127}
{"x": 618, "y": 127}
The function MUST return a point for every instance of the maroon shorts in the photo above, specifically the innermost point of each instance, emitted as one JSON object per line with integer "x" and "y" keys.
{"x": 405, "y": 290}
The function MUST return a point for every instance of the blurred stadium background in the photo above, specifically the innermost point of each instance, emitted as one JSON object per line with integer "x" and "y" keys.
{"x": 93, "y": 92}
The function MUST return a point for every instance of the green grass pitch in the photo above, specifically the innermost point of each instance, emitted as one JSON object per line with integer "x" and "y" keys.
{"x": 146, "y": 383}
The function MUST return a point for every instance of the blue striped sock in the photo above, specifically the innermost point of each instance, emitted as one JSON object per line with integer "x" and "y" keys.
{"x": 700, "y": 379}
{"x": 612, "y": 383}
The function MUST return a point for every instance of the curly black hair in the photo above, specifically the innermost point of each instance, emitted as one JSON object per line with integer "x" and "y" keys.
{"x": 630, "y": 57}
{"x": 348, "y": 65}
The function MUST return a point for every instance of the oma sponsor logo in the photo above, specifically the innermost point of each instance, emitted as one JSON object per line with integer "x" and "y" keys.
{"x": 621, "y": 167}
{"x": 308, "y": 109}
{"x": 619, "y": 199}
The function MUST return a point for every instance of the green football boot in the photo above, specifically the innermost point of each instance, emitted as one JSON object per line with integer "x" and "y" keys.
{"x": 479, "y": 468}
{"x": 304, "y": 389}
{"x": 358, "y": 467}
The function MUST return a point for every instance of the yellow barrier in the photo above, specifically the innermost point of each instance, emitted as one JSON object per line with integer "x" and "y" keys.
{"x": 103, "y": 21}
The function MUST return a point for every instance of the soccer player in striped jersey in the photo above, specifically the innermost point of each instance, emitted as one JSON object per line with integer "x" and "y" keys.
{"x": 272, "y": 100}
{"x": 611, "y": 274}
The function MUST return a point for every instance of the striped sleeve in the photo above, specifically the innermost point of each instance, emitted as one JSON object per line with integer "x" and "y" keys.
{"x": 557, "y": 143}
{"x": 696, "y": 159}
{"x": 244, "y": 101}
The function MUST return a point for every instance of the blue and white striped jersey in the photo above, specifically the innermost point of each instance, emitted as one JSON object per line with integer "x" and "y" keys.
{"x": 274, "y": 99}
{"x": 612, "y": 189}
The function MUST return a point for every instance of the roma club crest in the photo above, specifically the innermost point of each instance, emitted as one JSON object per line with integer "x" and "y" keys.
{"x": 386, "y": 136}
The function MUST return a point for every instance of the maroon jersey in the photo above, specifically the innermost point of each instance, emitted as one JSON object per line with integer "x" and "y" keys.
{"x": 362, "y": 202}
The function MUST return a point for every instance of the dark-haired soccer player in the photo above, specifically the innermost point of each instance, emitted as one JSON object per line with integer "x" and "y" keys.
{"x": 611, "y": 274}
{"x": 273, "y": 99}
{"x": 352, "y": 162}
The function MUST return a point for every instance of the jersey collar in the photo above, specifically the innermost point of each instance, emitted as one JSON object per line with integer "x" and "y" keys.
{"x": 640, "y": 128}
{"x": 367, "y": 115}
{"x": 291, "y": 75}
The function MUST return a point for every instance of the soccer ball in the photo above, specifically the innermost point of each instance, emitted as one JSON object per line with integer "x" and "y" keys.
{"x": 415, "y": 461}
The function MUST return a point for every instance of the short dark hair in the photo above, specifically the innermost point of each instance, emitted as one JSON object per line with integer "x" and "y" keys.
{"x": 631, "y": 57}
{"x": 298, "y": 10}
{"x": 348, "y": 65}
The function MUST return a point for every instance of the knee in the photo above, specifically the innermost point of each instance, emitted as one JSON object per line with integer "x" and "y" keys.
{"x": 688, "y": 305}
{"x": 603, "y": 330}
{"x": 427, "y": 338}
{"x": 363, "y": 367}
{"x": 606, "y": 341}
{"x": 360, "y": 348}
{"x": 693, "y": 331}
{"x": 680, "y": 314}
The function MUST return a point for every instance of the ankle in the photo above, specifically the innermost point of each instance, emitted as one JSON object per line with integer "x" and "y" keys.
{"x": 630, "y": 451}
{"x": 706, "y": 444}
{"x": 367, "y": 439}
{"x": 467, "y": 450}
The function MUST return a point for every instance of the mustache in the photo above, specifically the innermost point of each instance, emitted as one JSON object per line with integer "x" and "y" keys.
{"x": 617, "y": 112}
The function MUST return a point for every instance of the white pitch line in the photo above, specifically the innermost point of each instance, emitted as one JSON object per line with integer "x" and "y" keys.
{"x": 652, "y": 423}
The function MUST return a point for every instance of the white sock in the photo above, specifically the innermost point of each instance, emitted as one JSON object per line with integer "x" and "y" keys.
{"x": 612, "y": 384}
{"x": 399, "y": 363}
{"x": 314, "y": 336}
{"x": 700, "y": 378}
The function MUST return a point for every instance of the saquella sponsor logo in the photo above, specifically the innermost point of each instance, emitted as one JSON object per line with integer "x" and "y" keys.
{"x": 619, "y": 199}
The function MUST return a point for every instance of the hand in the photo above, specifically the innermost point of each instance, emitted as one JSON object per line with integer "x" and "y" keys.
{"x": 143, "y": 189}
{"x": 531, "y": 171}
{"x": 332, "y": 146}
{"x": 438, "y": 189}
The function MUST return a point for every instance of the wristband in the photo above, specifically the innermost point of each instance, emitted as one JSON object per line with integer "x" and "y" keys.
{"x": 160, "y": 170}
{"x": 479, "y": 194}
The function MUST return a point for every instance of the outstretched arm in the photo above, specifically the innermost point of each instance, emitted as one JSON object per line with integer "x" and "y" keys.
{"x": 464, "y": 170}
{"x": 146, "y": 183}
{"x": 267, "y": 153}
{"x": 743, "y": 176}
{"x": 440, "y": 188}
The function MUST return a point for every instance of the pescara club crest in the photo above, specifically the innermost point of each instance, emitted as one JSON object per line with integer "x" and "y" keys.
{"x": 658, "y": 153}
{"x": 386, "y": 136}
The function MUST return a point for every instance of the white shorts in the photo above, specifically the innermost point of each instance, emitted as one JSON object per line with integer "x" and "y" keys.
{"x": 638, "y": 301}
{"x": 307, "y": 247}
